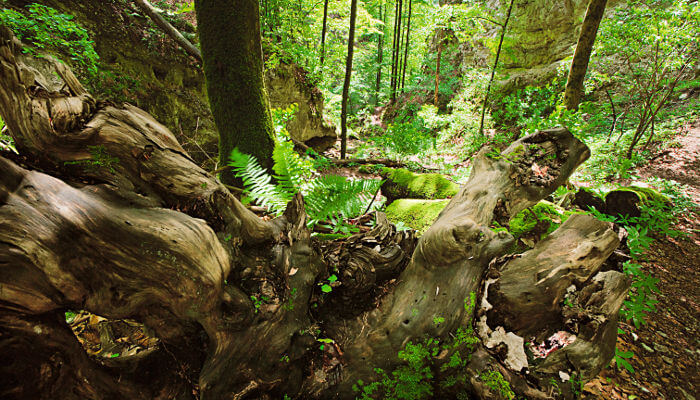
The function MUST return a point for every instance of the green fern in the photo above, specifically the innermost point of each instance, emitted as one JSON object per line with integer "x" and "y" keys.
{"x": 335, "y": 196}
{"x": 328, "y": 198}
{"x": 258, "y": 182}
{"x": 291, "y": 171}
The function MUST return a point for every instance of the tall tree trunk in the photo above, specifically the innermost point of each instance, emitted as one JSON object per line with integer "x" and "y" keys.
{"x": 495, "y": 65}
{"x": 234, "y": 76}
{"x": 396, "y": 49}
{"x": 579, "y": 65}
{"x": 408, "y": 44}
{"x": 402, "y": 42}
{"x": 134, "y": 229}
{"x": 380, "y": 55}
{"x": 437, "y": 67}
{"x": 323, "y": 31}
{"x": 346, "y": 83}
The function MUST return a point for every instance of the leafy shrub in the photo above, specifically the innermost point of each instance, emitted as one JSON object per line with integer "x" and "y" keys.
{"x": 47, "y": 29}
{"x": 405, "y": 138}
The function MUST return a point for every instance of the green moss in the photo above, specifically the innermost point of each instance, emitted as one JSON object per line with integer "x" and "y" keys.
{"x": 415, "y": 213}
{"x": 330, "y": 236}
{"x": 541, "y": 213}
{"x": 402, "y": 183}
{"x": 645, "y": 194}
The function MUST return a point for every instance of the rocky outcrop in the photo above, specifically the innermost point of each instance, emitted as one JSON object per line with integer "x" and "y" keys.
{"x": 288, "y": 84}
{"x": 541, "y": 35}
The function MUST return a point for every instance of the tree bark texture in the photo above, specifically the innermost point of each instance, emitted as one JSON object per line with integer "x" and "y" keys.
{"x": 103, "y": 211}
{"x": 346, "y": 83}
{"x": 229, "y": 34}
{"x": 582, "y": 54}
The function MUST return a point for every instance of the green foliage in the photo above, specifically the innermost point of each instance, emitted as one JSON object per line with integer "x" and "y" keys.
{"x": 99, "y": 159}
{"x": 328, "y": 198}
{"x": 656, "y": 219}
{"x": 6, "y": 141}
{"x": 527, "y": 107}
{"x": 47, "y": 29}
{"x": 494, "y": 380}
{"x": 621, "y": 358}
{"x": 402, "y": 139}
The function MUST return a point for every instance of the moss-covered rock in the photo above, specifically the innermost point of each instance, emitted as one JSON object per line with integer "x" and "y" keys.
{"x": 627, "y": 200}
{"x": 401, "y": 183}
{"x": 415, "y": 213}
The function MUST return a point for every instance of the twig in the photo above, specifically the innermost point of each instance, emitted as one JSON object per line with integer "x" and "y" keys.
{"x": 371, "y": 202}
{"x": 170, "y": 30}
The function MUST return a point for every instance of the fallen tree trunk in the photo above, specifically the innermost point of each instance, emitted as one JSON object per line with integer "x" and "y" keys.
{"x": 104, "y": 211}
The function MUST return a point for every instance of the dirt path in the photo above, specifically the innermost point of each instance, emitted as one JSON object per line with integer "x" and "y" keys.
{"x": 666, "y": 352}
{"x": 682, "y": 163}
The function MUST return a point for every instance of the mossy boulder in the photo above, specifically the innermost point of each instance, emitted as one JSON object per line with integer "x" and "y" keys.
{"x": 418, "y": 214}
{"x": 627, "y": 200}
{"x": 401, "y": 183}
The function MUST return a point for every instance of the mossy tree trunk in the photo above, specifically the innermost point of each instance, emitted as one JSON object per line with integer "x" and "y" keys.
{"x": 229, "y": 34}
{"x": 104, "y": 211}
{"x": 579, "y": 65}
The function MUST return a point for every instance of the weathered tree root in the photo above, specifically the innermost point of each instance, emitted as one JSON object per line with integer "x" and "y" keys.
{"x": 134, "y": 229}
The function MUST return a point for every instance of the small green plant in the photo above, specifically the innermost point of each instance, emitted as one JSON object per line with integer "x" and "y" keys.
{"x": 70, "y": 316}
{"x": 494, "y": 380}
{"x": 414, "y": 379}
{"x": 621, "y": 358}
{"x": 258, "y": 302}
{"x": 324, "y": 342}
{"x": 289, "y": 305}
{"x": 6, "y": 141}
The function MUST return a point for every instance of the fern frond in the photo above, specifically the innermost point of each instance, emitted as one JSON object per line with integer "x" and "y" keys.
{"x": 333, "y": 196}
{"x": 258, "y": 183}
{"x": 291, "y": 171}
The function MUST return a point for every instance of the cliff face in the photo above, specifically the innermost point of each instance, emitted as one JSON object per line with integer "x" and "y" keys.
{"x": 540, "y": 35}
{"x": 160, "y": 78}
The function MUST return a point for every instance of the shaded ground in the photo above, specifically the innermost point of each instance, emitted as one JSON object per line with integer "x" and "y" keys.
{"x": 666, "y": 352}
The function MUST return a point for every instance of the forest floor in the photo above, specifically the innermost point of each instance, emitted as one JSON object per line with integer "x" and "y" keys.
{"x": 666, "y": 352}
